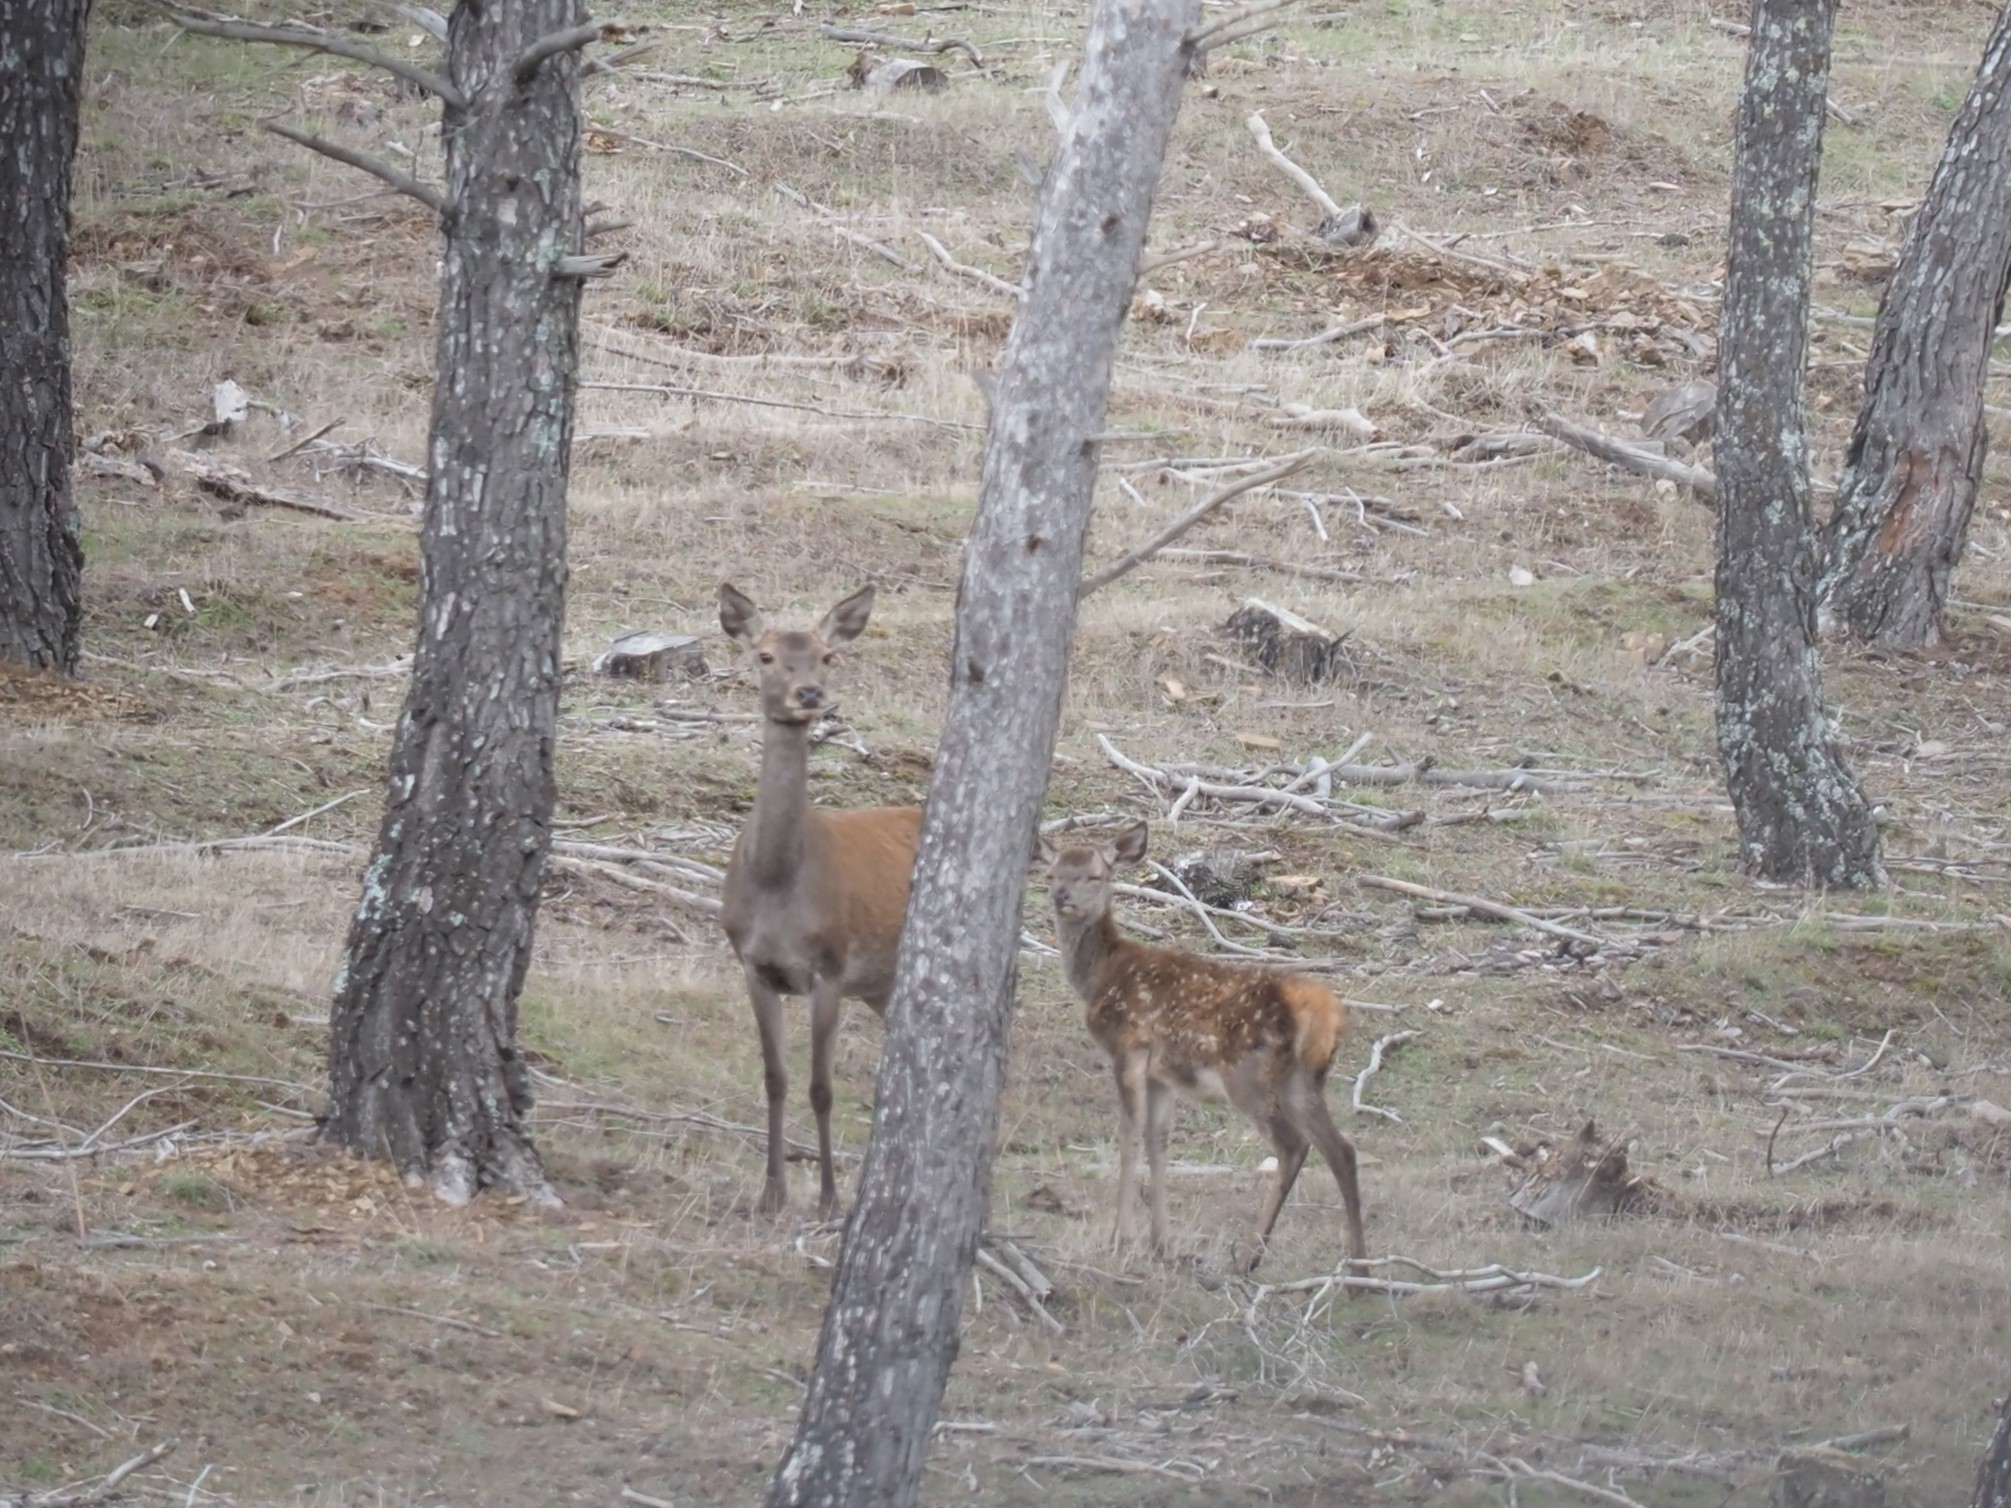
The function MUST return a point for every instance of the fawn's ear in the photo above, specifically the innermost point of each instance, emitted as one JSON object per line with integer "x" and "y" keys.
{"x": 1130, "y": 845}
{"x": 847, "y": 620}
{"x": 1043, "y": 854}
{"x": 738, "y": 615}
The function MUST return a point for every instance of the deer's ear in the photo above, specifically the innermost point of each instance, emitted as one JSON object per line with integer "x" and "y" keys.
{"x": 1129, "y": 847}
{"x": 1043, "y": 854}
{"x": 738, "y": 615}
{"x": 847, "y": 620}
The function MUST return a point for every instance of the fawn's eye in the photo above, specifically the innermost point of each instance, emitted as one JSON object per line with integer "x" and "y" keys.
{"x": 831, "y": 657}
{"x": 766, "y": 658}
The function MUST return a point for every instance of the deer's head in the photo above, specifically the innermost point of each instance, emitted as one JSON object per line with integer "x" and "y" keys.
{"x": 1079, "y": 876}
{"x": 793, "y": 664}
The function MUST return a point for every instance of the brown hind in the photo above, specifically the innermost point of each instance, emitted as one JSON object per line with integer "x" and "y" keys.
{"x": 1175, "y": 1023}
{"x": 813, "y": 901}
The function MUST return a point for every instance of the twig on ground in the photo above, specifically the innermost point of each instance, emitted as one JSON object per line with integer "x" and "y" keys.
{"x": 1493, "y": 1278}
{"x": 976, "y": 274}
{"x": 1020, "y": 1286}
{"x": 1276, "y": 471}
{"x": 892, "y": 416}
{"x": 672, "y": 149}
{"x": 1337, "y": 332}
{"x": 1598, "y": 443}
{"x": 143, "y": 1068}
{"x": 831, "y": 220}
{"x": 1494, "y": 909}
{"x": 94, "y": 1490}
{"x": 907, "y": 44}
{"x": 1382, "y": 1045}
{"x": 1306, "y": 182}
{"x": 436, "y": 1319}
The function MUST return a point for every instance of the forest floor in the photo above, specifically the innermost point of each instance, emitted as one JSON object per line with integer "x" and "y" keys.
{"x": 177, "y": 1262}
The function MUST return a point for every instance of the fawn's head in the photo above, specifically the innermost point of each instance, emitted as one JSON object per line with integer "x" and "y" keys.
{"x": 1079, "y": 876}
{"x": 792, "y": 664}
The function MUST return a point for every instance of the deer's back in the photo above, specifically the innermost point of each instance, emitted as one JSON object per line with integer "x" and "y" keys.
{"x": 1197, "y": 1016}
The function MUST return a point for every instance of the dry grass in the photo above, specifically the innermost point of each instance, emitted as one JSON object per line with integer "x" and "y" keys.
{"x": 1588, "y": 140}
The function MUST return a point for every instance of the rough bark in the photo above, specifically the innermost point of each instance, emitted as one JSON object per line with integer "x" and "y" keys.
{"x": 41, "y": 559}
{"x": 891, "y": 1330}
{"x": 422, "y": 1063}
{"x": 1916, "y": 456}
{"x": 1802, "y": 817}
{"x": 1993, "y": 1475}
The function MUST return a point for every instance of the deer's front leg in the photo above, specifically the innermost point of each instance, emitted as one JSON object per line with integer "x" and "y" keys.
{"x": 824, "y": 1006}
{"x": 1130, "y": 1069}
{"x": 767, "y": 1003}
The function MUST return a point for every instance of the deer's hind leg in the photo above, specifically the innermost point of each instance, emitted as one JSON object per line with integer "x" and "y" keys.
{"x": 1158, "y": 1120}
{"x": 1260, "y": 1102}
{"x": 1308, "y": 1098}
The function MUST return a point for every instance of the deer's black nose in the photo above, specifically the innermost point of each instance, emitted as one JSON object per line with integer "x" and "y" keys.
{"x": 809, "y": 696}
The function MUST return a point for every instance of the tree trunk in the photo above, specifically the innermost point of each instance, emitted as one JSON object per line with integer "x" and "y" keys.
{"x": 1916, "y": 457}
{"x": 1802, "y": 818}
{"x": 1993, "y": 1476}
{"x": 41, "y": 560}
{"x": 891, "y": 1330}
{"x": 422, "y": 1060}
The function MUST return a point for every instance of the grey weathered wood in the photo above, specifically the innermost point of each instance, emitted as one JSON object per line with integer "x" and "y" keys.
{"x": 41, "y": 558}
{"x": 650, "y": 656}
{"x": 891, "y": 1329}
{"x": 422, "y": 1057}
{"x": 1993, "y": 1474}
{"x": 1802, "y": 817}
{"x": 1916, "y": 456}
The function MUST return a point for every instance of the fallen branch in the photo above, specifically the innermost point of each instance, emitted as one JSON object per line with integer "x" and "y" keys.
{"x": 1260, "y": 563}
{"x": 96, "y": 1489}
{"x": 1337, "y": 332}
{"x": 1598, "y": 443}
{"x": 1484, "y": 907}
{"x": 1275, "y": 472}
{"x": 1493, "y": 1278}
{"x": 831, "y": 221}
{"x": 144, "y": 1068}
{"x": 1020, "y": 1286}
{"x": 1383, "y": 1044}
{"x": 668, "y": 390}
{"x": 1307, "y": 183}
{"x": 905, "y": 44}
{"x": 976, "y": 274}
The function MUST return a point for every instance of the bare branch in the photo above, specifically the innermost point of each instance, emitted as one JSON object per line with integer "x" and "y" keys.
{"x": 1193, "y": 516}
{"x": 320, "y": 41}
{"x": 425, "y": 18}
{"x": 963, "y": 270}
{"x": 1382, "y": 1045}
{"x": 1597, "y": 443}
{"x": 1236, "y": 25}
{"x": 427, "y": 195}
{"x": 614, "y": 61}
{"x": 1154, "y": 264}
{"x": 906, "y": 44}
{"x": 551, "y": 45}
{"x": 1308, "y": 184}
{"x": 589, "y": 265}
{"x": 1484, "y": 907}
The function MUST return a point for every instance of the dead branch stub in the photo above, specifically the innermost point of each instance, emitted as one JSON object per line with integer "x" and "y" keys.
{"x": 1286, "y": 644}
{"x": 1586, "y": 1180}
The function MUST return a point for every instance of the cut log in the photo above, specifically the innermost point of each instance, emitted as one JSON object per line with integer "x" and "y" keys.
{"x": 1586, "y": 1180}
{"x": 1286, "y": 644}
{"x": 648, "y": 656}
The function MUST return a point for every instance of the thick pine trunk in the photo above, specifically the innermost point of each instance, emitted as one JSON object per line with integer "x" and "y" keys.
{"x": 1802, "y": 818}
{"x": 41, "y": 560}
{"x": 1993, "y": 1476}
{"x": 891, "y": 1330}
{"x": 422, "y": 1059}
{"x": 1916, "y": 457}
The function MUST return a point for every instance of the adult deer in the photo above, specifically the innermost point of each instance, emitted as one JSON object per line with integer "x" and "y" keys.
{"x": 813, "y": 900}
{"x": 1176, "y": 1023}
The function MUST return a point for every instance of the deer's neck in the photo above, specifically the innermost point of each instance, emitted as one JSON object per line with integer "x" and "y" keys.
{"x": 1085, "y": 943}
{"x": 775, "y": 831}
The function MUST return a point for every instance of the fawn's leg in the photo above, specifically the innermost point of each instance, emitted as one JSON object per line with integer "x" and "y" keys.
{"x": 1158, "y": 1119}
{"x": 1130, "y": 1118}
{"x": 1310, "y": 1101}
{"x": 1290, "y": 1146}
{"x": 767, "y": 1003}
{"x": 823, "y": 1028}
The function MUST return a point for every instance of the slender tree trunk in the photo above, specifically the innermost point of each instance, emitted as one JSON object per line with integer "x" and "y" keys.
{"x": 1993, "y": 1476}
{"x": 1802, "y": 818}
{"x": 1916, "y": 457}
{"x": 891, "y": 1330}
{"x": 422, "y": 1060}
{"x": 41, "y": 560}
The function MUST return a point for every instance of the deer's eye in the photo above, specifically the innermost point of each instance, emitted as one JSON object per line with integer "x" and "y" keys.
{"x": 766, "y": 658}
{"x": 831, "y": 657}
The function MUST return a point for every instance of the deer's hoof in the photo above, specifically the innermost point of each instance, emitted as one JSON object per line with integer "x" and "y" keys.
{"x": 774, "y": 1198}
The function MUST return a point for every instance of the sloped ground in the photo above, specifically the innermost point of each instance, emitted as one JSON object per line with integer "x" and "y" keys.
{"x": 312, "y": 1333}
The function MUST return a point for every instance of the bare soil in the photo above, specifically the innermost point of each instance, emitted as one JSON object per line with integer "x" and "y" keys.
{"x": 310, "y": 1332}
